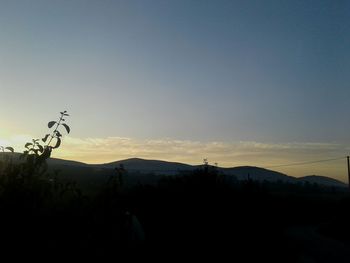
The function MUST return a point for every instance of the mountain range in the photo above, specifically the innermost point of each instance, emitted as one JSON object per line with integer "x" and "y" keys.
{"x": 149, "y": 171}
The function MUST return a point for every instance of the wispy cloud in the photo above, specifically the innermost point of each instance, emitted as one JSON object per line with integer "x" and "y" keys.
{"x": 96, "y": 150}
{"x": 227, "y": 154}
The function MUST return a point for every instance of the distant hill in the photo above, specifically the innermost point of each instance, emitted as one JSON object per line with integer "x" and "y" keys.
{"x": 150, "y": 166}
{"x": 149, "y": 171}
{"x": 322, "y": 180}
{"x": 50, "y": 161}
{"x": 144, "y": 166}
{"x": 257, "y": 174}
{"x": 56, "y": 161}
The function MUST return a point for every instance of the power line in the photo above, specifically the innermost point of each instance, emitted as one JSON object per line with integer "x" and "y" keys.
{"x": 303, "y": 163}
{"x": 265, "y": 167}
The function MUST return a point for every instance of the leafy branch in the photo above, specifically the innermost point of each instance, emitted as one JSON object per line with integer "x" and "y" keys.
{"x": 43, "y": 152}
{"x": 56, "y": 134}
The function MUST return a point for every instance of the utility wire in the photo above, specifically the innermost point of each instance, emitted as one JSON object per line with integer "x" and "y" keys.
{"x": 303, "y": 163}
{"x": 265, "y": 167}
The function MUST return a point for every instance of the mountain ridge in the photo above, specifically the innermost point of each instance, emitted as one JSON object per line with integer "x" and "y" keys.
{"x": 241, "y": 172}
{"x": 161, "y": 167}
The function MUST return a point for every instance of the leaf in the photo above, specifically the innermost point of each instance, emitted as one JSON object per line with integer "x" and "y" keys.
{"x": 58, "y": 143}
{"x": 10, "y": 149}
{"x": 51, "y": 123}
{"x": 28, "y": 144}
{"x": 41, "y": 149}
{"x": 45, "y": 138}
{"x": 67, "y": 127}
{"x": 58, "y": 134}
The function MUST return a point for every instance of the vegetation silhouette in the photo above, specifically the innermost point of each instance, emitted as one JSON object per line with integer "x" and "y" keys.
{"x": 197, "y": 213}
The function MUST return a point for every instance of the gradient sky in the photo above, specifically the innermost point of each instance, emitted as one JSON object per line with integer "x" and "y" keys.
{"x": 239, "y": 82}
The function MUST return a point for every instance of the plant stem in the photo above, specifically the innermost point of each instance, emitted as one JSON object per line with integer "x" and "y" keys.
{"x": 53, "y": 133}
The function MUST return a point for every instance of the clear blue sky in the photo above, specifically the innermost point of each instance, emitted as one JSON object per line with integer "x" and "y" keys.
{"x": 272, "y": 72}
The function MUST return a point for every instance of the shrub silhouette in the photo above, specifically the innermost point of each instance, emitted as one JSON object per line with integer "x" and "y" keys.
{"x": 28, "y": 175}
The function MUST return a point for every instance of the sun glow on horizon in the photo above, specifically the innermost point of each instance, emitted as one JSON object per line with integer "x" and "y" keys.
{"x": 15, "y": 141}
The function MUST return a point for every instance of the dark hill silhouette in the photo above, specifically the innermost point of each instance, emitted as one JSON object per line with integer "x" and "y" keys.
{"x": 257, "y": 174}
{"x": 241, "y": 172}
{"x": 57, "y": 161}
{"x": 142, "y": 167}
{"x": 322, "y": 180}
{"x": 50, "y": 161}
{"x": 150, "y": 166}
{"x": 157, "y": 167}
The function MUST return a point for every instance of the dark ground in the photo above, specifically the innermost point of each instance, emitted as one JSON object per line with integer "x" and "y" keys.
{"x": 198, "y": 216}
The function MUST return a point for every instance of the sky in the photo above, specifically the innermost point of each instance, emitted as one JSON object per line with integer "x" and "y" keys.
{"x": 238, "y": 82}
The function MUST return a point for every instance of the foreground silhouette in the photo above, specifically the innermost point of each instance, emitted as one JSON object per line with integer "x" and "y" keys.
{"x": 200, "y": 213}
